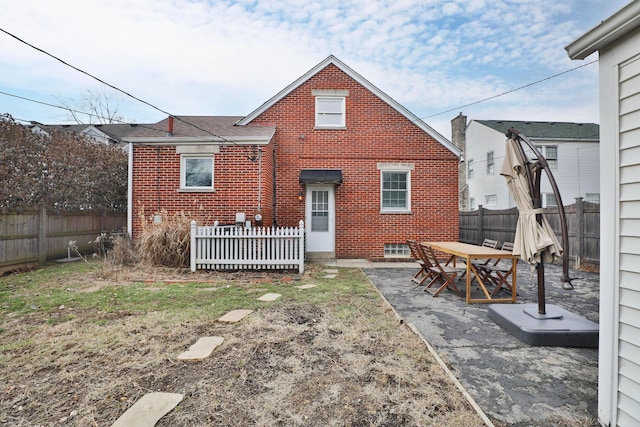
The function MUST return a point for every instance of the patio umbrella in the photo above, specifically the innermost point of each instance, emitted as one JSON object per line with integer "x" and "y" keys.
{"x": 534, "y": 240}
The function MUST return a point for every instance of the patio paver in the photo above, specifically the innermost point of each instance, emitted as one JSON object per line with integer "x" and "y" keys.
{"x": 235, "y": 316}
{"x": 147, "y": 411}
{"x": 201, "y": 349}
{"x": 269, "y": 297}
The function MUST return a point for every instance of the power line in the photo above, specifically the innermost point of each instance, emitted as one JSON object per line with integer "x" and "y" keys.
{"x": 114, "y": 87}
{"x": 510, "y": 91}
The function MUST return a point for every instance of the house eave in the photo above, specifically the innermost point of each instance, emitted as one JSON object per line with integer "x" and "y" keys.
{"x": 171, "y": 140}
{"x": 608, "y": 31}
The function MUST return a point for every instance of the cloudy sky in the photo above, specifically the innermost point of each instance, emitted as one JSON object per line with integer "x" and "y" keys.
{"x": 218, "y": 57}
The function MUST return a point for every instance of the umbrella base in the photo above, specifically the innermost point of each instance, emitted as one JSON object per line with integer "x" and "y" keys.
{"x": 557, "y": 328}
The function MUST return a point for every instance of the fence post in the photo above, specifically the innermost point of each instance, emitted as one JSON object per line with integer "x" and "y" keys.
{"x": 193, "y": 248}
{"x": 301, "y": 246}
{"x": 42, "y": 236}
{"x": 579, "y": 231}
{"x": 480, "y": 236}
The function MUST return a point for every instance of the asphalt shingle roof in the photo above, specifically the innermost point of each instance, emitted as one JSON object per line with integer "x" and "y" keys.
{"x": 202, "y": 126}
{"x": 560, "y": 130}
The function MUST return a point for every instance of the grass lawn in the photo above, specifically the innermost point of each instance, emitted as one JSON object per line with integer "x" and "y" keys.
{"x": 82, "y": 342}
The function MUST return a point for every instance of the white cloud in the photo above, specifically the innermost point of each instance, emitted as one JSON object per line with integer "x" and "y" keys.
{"x": 227, "y": 57}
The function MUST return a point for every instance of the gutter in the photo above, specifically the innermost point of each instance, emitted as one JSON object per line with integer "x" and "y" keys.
{"x": 608, "y": 31}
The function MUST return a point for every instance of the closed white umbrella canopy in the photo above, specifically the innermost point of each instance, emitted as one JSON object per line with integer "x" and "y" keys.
{"x": 535, "y": 242}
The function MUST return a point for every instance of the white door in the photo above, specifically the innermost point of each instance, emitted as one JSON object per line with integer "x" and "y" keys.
{"x": 320, "y": 218}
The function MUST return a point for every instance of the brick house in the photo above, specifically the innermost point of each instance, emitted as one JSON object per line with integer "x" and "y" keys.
{"x": 331, "y": 149}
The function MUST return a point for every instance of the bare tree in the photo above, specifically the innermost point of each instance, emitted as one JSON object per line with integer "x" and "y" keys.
{"x": 97, "y": 105}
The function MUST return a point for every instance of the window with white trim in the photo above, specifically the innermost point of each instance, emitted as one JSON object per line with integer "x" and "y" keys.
{"x": 491, "y": 200}
{"x": 550, "y": 153}
{"x": 490, "y": 164}
{"x": 196, "y": 172}
{"x": 472, "y": 203}
{"x": 330, "y": 112}
{"x": 592, "y": 198}
{"x": 549, "y": 200}
{"x": 395, "y": 191}
{"x": 470, "y": 169}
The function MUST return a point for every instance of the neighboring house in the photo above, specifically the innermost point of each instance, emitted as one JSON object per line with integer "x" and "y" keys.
{"x": 571, "y": 149}
{"x": 617, "y": 39}
{"x": 331, "y": 149}
{"x": 108, "y": 133}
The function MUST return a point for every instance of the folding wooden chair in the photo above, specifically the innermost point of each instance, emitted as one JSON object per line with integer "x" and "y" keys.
{"x": 444, "y": 275}
{"x": 424, "y": 273}
{"x": 498, "y": 272}
{"x": 487, "y": 243}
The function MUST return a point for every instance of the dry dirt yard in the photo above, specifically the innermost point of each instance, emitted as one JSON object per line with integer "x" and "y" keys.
{"x": 82, "y": 343}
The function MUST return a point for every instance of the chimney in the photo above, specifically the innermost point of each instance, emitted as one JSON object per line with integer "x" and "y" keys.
{"x": 458, "y": 131}
{"x": 170, "y": 131}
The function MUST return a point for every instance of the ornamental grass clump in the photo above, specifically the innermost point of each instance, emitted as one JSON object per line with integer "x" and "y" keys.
{"x": 165, "y": 242}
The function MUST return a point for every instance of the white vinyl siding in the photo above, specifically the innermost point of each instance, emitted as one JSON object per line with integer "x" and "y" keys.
{"x": 628, "y": 404}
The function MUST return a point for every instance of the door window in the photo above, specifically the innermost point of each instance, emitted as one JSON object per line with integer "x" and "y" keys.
{"x": 319, "y": 210}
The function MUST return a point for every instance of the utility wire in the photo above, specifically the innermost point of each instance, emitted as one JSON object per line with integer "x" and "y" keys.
{"x": 510, "y": 91}
{"x": 114, "y": 87}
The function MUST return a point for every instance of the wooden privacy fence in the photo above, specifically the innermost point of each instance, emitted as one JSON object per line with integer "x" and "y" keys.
{"x": 29, "y": 236}
{"x": 583, "y": 225}
{"x": 247, "y": 248}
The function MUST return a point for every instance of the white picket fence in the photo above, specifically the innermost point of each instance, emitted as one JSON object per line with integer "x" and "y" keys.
{"x": 247, "y": 248}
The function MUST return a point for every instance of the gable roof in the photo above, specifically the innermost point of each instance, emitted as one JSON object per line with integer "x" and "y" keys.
{"x": 202, "y": 129}
{"x": 332, "y": 60}
{"x": 547, "y": 130}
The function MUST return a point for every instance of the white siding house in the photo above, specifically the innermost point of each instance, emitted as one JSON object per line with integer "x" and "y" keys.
{"x": 617, "y": 40}
{"x": 572, "y": 150}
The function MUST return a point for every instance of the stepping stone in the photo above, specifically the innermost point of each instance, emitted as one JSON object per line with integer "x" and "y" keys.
{"x": 201, "y": 349}
{"x": 147, "y": 411}
{"x": 330, "y": 271}
{"x": 269, "y": 297}
{"x": 235, "y": 316}
{"x": 306, "y": 286}
{"x": 329, "y": 276}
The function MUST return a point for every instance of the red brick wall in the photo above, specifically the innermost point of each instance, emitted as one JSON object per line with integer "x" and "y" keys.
{"x": 156, "y": 180}
{"x": 374, "y": 133}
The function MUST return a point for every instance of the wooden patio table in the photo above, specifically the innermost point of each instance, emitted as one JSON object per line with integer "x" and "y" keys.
{"x": 469, "y": 253}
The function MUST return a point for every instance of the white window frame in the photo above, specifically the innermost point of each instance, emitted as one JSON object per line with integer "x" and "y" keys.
{"x": 320, "y": 114}
{"x": 472, "y": 203}
{"x": 395, "y": 168}
{"x": 491, "y": 200}
{"x": 491, "y": 163}
{"x": 592, "y": 198}
{"x": 470, "y": 169}
{"x": 549, "y": 200}
{"x": 183, "y": 172}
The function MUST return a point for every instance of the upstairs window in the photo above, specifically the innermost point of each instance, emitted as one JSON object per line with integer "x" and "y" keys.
{"x": 490, "y": 165}
{"x": 330, "y": 108}
{"x": 470, "y": 169}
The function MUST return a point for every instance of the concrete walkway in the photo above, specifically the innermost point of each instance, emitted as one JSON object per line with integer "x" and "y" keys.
{"x": 515, "y": 384}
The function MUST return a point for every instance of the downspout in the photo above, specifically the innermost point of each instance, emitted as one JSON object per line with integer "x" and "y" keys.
{"x": 275, "y": 220}
{"x": 130, "y": 190}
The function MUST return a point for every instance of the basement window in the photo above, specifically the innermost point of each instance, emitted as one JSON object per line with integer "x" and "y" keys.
{"x": 196, "y": 172}
{"x": 396, "y": 250}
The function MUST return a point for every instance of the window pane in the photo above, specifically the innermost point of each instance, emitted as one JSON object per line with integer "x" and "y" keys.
{"x": 329, "y": 119}
{"x": 551, "y": 152}
{"x": 330, "y": 105}
{"x": 198, "y": 173}
{"x": 320, "y": 210}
